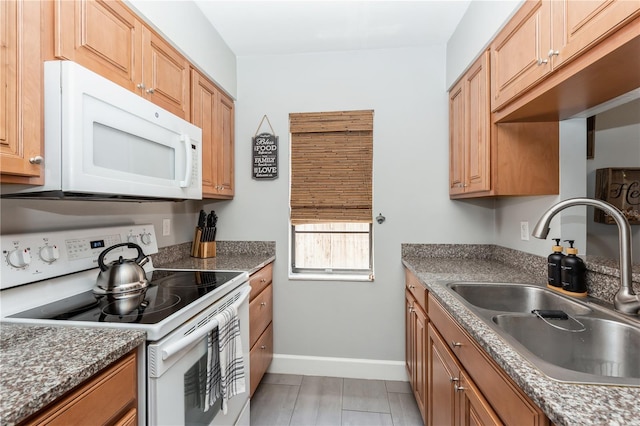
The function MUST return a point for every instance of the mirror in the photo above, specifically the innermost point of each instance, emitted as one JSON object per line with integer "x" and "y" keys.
{"x": 616, "y": 144}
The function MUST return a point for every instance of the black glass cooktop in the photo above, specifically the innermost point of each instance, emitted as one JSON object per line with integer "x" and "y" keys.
{"x": 168, "y": 292}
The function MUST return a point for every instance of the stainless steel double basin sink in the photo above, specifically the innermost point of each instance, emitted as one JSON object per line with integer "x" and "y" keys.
{"x": 592, "y": 344}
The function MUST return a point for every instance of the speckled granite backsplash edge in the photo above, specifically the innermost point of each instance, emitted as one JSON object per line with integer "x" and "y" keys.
{"x": 177, "y": 252}
{"x": 603, "y": 275}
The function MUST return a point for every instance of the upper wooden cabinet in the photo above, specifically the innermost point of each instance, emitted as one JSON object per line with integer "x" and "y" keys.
{"x": 213, "y": 112}
{"x": 469, "y": 136}
{"x": 576, "y": 25}
{"x": 488, "y": 160}
{"x": 546, "y": 34}
{"x": 21, "y": 85}
{"x": 106, "y": 37}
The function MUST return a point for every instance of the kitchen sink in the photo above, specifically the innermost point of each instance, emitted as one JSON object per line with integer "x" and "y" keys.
{"x": 603, "y": 347}
{"x": 593, "y": 345}
{"x": 516, "y": 298}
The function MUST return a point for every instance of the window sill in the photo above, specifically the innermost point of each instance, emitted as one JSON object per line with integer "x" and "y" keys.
{"x": 330, "y": 277}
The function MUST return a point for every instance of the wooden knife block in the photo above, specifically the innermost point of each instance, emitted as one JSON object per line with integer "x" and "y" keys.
{"x": 202, "y": 249}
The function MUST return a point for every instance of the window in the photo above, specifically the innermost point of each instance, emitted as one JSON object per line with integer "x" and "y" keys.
{"x": 331, "y": 194}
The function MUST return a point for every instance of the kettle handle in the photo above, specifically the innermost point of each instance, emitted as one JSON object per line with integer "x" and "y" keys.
{"x": 104, "y": 268}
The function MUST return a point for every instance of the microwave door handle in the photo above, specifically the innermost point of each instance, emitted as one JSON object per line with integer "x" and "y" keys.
{"x": 175, "y": 347}
{"x": 188, "y": 160}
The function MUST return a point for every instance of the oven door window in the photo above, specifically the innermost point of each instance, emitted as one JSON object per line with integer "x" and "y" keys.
{"x": 195, "y": 380}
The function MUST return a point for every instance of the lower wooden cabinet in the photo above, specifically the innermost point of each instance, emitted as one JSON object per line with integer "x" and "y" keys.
{"x": 454, "y": 381}
{"x": 416, "y": 329}
{"x": 110, "y": 397}
{"x": 454, "y": 398}
{"x": 260, "y": 324}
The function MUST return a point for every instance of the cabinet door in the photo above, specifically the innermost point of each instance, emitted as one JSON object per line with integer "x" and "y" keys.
{"x": 477, "y": 126}
{"x": 213, "y": 112}
{"x": 409, "y": 341}
{"x": 103, "y": 36}
{"x": 20, "y": 92}
{"x": 203, "y": 115}
{"x": 456, "y": 139}
{"x": 443, "y": 372}
{"x": 165, "y": 75}
{"x": 579, "y": 24}
{"x": 225, "y": 146}
{"x": 474, "y": 410}
{"x": 519, "y": 54}
{"x": 420, "y": 357}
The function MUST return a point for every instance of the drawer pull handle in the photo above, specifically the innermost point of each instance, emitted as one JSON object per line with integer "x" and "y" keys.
{"x": 456, "y": 344}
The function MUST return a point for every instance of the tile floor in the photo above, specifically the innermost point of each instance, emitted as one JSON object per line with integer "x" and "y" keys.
{"x": 283, "y": 399}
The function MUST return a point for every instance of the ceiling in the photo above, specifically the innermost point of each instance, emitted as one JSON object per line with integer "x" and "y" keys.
{"x": 303, "y": 26}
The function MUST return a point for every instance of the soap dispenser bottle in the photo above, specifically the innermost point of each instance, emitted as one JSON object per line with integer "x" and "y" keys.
{"x": 554, "y": 265}
{"x": 573, "y": 272}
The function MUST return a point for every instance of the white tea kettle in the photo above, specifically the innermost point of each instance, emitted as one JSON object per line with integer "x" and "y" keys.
{"x": 122, "y": 275}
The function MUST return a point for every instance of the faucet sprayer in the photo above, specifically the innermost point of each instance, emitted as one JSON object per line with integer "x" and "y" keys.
{"x": 625, "y": 300}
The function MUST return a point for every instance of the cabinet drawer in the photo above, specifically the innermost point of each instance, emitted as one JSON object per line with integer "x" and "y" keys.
{"x": 505, "y": 397}
{"x": 416, "y": 288}
{"x": 261, "y": 355}
{"x": 259, "y": 280}
{"x": 110, "y": 396}
{"x": 260, "y": 314}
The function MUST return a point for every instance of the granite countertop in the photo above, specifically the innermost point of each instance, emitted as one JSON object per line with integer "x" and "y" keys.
{"x": 38, "y": 364}
{"x": 564, "y": 403}
{"x": 249, "y": 256}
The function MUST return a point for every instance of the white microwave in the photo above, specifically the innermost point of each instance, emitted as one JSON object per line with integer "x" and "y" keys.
{"x": 104, "y": 142}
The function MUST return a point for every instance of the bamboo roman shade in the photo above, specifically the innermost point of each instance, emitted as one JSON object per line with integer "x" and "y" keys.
{"x": 331, "y": 167}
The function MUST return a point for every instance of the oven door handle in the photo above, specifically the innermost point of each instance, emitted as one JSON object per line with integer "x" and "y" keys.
{"x": 175, "y": 347}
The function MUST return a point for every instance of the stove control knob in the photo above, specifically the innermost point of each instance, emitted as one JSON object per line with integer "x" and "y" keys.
{"x": 49, "y": 253}
{"x": 19, "y": 258}
{"x": 132, "y": 239}
{"x": 146, "y": 238}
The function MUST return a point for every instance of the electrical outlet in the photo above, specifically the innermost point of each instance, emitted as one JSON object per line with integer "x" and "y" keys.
{"x": 166, "y": 227}
{"x": 524, "y": 231}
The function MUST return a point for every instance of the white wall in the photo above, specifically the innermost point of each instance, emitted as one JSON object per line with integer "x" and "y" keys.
{"x": 411, "y": 167}
{"x": 617, "y": 144}
{"x": 478, "y": 26}
{"x": 184, "y": 24}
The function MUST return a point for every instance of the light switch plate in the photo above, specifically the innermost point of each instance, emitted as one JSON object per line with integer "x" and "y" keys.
{"x": 166, "y": 227}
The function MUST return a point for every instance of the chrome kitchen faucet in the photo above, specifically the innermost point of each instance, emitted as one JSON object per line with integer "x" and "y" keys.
{"x": 625, "y": 300}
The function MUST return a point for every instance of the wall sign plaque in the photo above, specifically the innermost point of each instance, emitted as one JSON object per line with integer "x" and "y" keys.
{"x": 265, "y": 154}
{"x": 621, "y": 188}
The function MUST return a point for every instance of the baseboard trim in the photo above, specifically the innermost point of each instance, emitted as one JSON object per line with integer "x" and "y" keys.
{"x": 352, "y": 368}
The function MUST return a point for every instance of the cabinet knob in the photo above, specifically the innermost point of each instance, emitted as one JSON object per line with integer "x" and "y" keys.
{"x": 140, "y": 85}
{"x": 263, "y": 347}
{"x": 150, "y": 91}
{"x": 263, "y": 280}
{"x": 263, "y": 304}
{"x": 453, "y": 379}
{"x": 554, "y": 53}
{"x": 542, "y": 61}
{"x": 412, "y": 287}
{"x": 36, "y": 160}
{"x": 456, "y": 344}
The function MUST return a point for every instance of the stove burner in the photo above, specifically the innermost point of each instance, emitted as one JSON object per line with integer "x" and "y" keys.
{"x": 159, "y": 305}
